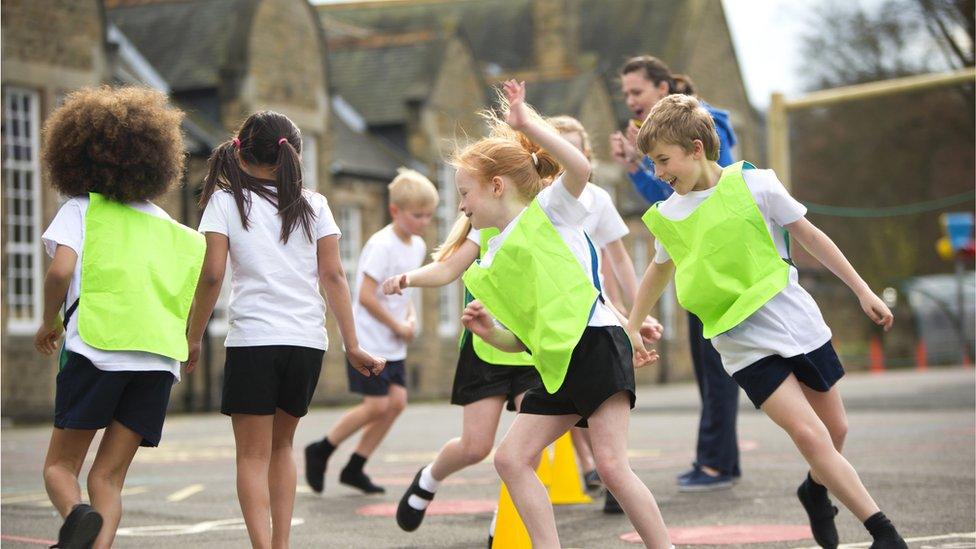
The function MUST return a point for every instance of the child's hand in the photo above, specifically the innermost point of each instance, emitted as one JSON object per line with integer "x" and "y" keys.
{"x": 651, "y": 330}
{"x": 395, "y": 284}
{"x": 46, "y": 338}
{"x": 476, "y": 319}
{"x": 194, "y": 355}
{"x": 877, "y": 311}
{"x": 364, "y": 362}
{"x": 406, "y": 330}
{"x": 642, "y": 357}
{"x": 517, "y": 116}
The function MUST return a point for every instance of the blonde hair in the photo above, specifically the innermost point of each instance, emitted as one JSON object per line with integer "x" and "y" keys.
{"x": 565, "y": 124}
{"x": 507, "y": 153}
{"x": 679, "y": 120}
{"x": 411, "y": 188}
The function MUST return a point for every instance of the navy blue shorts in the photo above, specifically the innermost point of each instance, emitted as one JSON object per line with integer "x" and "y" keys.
{"x": 89, "y": 398}
{"x": 259, "y": 380}
{"x": 819, "y": 370}
{"x": 395, "y": 372}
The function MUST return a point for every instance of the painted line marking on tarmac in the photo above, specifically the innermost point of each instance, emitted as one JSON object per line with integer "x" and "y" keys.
{"x": 34, "y": 541}
{"x": 163, "y": 530}
{"x": 731, "y": 534}
{"x": 180, "y": 495}
{"x": 969, "y": 535}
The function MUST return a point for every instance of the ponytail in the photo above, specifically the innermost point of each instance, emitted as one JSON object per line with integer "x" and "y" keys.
{"x": 266, "y": 138}
{"x": 459, "y": 233}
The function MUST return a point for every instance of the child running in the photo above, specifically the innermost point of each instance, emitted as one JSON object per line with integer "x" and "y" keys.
{"x": 109, "y": 152}
{"x": 385, "y": 324}
{"x": 540, "y": 280}
{"x": 283, "y": 245}
{"x": 720, "y": 235}
{"x": 606, "y": 229}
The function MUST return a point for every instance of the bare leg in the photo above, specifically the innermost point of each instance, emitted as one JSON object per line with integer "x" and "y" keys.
{"x": 516, "y": 461}
{"x": 789, "y": 408}
{"x": 253, "y": 435}
{"x": 371, "y": 409}
{"x": 608, "y": 431}
{"x": 107, "y": 475}
{"x": 476, "y": 440}
{"x": 65, "y": 455}
{"x": 281, "y": 478}
{"x": 377, "y": 429}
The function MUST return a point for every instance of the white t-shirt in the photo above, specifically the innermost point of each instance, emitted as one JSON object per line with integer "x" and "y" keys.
{"x": 383, "y": 256}
{"x": 68, "y": 229}
{"x": 603, "y": 223}
{"x": 567, "y": 215}
{"x": 274, "y": 295}
{"x": 790, "y": 323}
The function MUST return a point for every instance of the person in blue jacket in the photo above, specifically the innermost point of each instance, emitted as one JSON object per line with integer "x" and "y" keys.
{"x": 645, "y": 80}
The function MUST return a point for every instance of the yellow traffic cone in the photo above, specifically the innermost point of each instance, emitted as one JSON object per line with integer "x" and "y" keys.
{"x": 510, "y": 533}
{"x": 544, "y": 470}
{"x": 566, "y": 487}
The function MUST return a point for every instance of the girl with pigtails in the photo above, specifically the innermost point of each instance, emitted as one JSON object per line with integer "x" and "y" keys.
{"x": 283, "y": 245}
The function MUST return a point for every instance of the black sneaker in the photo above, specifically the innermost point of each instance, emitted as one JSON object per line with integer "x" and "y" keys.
{"x": 408, "y": 518}
{"x": 821, "y": 514}
{"x": 592, "y": 480}
{"x": 315, "y": 467}
{"x": 80, "y": 528}
{"x": 610, "y": 505}
{"x": 359, "y": 480}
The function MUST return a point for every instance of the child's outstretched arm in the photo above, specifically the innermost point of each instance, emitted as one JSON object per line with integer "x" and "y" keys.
{"x": 827, "y": 253}
{"x": 205, "y": 298}
{"x": 436, "y": 274}
{"x": 575, "y": 165}
{"x": 477, "y": 319}
{"x": 652, "y": 285}
{"x": 333, "y": 280}
{"x": 56, "y": 284}
{"x": 402, "y": 327}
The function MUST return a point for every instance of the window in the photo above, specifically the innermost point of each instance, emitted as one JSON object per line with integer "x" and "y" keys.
{"x": 351, "y": 224}
{"x": 22, "y": 209}
{"x": 449, "y": 302}
{"x": 310, "y": 172}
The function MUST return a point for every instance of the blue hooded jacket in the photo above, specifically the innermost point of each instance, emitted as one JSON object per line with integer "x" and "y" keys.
{"x": 654, "y": 189}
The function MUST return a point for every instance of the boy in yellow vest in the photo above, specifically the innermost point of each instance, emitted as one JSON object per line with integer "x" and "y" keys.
{"x": 721, "y": 236}
{"x": 124, "y": 274}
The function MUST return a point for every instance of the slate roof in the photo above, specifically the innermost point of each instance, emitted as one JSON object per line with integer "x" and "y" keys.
{"x": 188, "y": 42}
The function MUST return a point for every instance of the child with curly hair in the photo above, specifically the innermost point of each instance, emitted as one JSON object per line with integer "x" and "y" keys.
{"x": 125, "y": 274}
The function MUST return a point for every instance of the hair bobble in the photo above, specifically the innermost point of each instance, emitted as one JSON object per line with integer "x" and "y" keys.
{"x": 237, "y": 143}
{"x": 535, "y": 160}
{"x": 282, "y": 141}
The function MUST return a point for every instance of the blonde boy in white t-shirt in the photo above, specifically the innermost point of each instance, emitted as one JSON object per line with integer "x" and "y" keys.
{"x": 385, "y": 325}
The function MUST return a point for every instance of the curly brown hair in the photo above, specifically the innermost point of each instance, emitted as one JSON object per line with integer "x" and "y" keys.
{"x": 124, "y": 143}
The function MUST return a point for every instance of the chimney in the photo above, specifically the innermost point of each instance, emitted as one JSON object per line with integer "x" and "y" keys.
{"x": 555, "y": 34}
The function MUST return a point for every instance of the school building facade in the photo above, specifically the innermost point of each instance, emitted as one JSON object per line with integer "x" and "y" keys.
{"x": 373, "y": 86}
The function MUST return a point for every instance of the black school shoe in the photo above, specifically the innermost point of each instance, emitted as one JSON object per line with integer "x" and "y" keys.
{"x": 359, "y": 480}
{"x": 408, "y": 518}
{"x": 889, "y": 543}
{"x": 821, "y": 514}
{"x": 80, "y": 528}
{"x": 611, "y": 506}
{"x": 315, "y": 467}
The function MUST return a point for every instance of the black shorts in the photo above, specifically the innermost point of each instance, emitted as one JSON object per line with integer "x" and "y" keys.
{"x": 475, "y": 379}
{"x": 601, "y": 366}
{"x": 89, "y": 398}
{"x": 394, "y": 372}
{"x": 257, "y": 380}
{"x": 819, "y": 370}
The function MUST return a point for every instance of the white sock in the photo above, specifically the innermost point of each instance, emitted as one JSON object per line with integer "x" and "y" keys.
{"x": 427, "y": 482}
{"x": 494, "y": 518}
